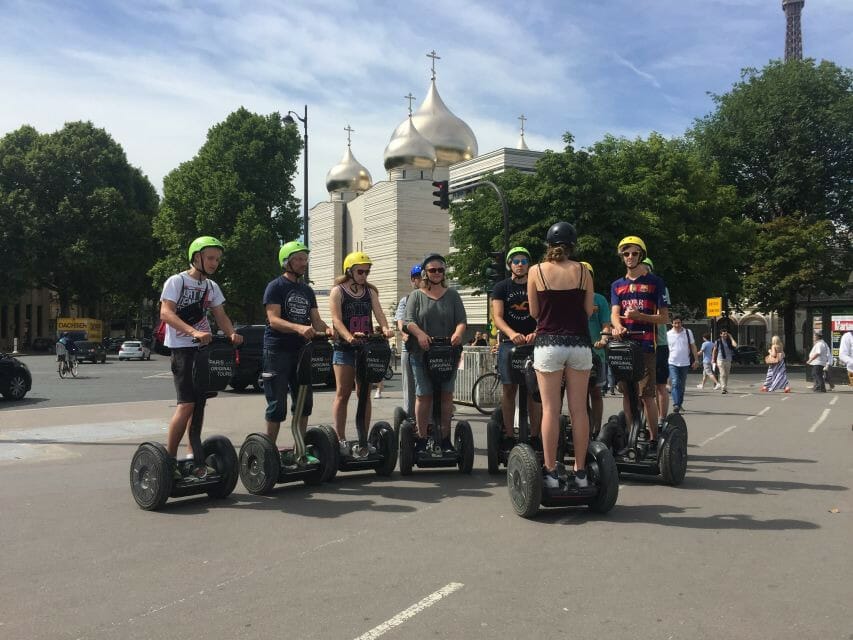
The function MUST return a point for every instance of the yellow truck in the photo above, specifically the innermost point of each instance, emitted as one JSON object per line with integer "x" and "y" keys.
{"x": 81, "y": 328}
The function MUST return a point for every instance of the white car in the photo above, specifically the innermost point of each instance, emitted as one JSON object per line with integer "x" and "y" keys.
{"x": 134, "y": 349}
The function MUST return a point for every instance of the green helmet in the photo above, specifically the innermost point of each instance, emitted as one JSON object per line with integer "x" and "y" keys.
{"x": 648, "y": 261}
{"x": 203, "y": 242}
{"x": 289, "y": 248}
{"x": 514, "y": 252}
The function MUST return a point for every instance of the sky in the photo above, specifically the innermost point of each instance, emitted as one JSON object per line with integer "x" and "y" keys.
{"x": 157, "y": 74}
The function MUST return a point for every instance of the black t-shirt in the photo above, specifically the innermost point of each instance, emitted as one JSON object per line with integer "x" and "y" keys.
{"x": 516, "y": 306}
{"x": 296, "y": 300}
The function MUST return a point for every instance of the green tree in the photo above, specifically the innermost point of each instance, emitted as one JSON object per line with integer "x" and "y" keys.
{"x": 84, "y": 214}
{"x": 237, "y": 188}
{"x": 783, "y": 136}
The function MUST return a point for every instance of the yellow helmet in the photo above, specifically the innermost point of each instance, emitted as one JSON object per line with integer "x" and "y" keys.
{"x": 632, "y": 240}
{"x": 588, "y": 266}
{"x": 354, "y": 258}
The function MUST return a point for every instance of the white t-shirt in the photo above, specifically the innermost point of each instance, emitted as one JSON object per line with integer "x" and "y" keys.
{"x": 193, "y": 290}
{"x": 845, "y": 350}
{"x": 820, "y": 353}
{"x": 679, "y": 347}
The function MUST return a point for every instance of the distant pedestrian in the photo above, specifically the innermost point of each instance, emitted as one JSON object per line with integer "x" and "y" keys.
{"x": 681, "y": 347}
{"x": 724, "y": 348}
{"x": 777, "y": 372}
{"x": 819, "y": 358}
{"x": 706, "y": 350}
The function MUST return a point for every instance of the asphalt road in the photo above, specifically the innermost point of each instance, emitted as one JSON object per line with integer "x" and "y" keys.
{"x": 754, "y": 544}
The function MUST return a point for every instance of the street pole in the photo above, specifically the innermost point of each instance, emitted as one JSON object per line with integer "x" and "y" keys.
{"x": 288, "y": 119}
{"x": 504, "y": 210}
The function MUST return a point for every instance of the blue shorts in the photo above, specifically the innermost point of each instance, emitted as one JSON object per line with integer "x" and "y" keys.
{"x": 423, "y": 384}
{"x": 345, "y": 357}
{"x": 279, "y": 375}
{"x": 504, "y": 356}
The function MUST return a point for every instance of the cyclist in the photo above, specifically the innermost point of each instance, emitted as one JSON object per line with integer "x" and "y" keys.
{"x": 434, "y": 310}
{"x": 184, "y": 303}
{"x": 561, "y": 300}
{"x": 292, "y": 320}
{"x": 639, "y": 303}
{"x": 68, "y": 350}
{"x": 408, "y": 381}
{"x": 352, "y": 302}
{"x": 511, "y": 313}
{"x": 599, "y": 322}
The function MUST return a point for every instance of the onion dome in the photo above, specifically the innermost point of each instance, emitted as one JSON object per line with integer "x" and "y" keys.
{"x": 452, "y": 138}
{"x": 408, "y": 148}
{"x": 521, "y": 143}
{"x": 348, "y": 175}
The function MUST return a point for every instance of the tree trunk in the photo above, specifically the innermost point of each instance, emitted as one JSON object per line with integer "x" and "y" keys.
{"x": 788, "y": 314}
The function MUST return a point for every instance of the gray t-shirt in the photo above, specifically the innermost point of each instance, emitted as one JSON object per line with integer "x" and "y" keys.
{"x": 436, "y": 318}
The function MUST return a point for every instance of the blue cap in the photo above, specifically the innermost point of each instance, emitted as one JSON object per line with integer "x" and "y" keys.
{"x": 416, "y": 271}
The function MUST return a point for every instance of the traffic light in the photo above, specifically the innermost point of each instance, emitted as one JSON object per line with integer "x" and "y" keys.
{"x": 495, "y": 272}
{"x": 441, "y": 192}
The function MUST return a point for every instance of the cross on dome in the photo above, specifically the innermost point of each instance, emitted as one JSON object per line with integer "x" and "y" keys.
{"x": 410, "y": 98}
{"x": 349, "y": 131}
{"x": 432, "y": 54}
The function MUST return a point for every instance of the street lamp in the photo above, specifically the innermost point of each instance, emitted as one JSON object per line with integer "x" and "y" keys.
{"x": 288, "y": 119}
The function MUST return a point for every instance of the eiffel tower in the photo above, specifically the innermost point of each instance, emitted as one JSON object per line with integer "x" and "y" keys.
{"x": 793, "y": 33}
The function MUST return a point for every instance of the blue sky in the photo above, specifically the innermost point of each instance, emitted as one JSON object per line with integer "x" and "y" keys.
{"x": 156, "y": 74}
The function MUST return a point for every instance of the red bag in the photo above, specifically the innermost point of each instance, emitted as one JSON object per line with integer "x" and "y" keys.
{"x": 159, "y": 340}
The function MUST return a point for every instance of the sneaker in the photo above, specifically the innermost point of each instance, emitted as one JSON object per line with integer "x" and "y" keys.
{"x": 581, "y": 481}
{"x": 677, "y": 408}
{"x": 344, "y": 447}
{"x": 288, "y": 458}
{"x": 377, "y": 395}
{"x": 700, "y": 386}
{"x": 176, "y": 473}
{"x": 420, "y": 445}
{"x": 717, "y": 387}
{"x": 203, "y": 472}
{"x": 309, "y": 459}
{"x": 447, "y": 446}
{"x": 725, "y": 391}
{"x": 550, "y": 480}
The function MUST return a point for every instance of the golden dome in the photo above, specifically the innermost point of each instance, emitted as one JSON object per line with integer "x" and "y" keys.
{"x": 348, "y": 175}
{"x": 408, "y": 148}
{"x": 452, "y": 138}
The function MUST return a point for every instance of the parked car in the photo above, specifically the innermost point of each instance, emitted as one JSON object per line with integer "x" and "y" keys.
{"x": 15, "y": 378}
{"x": 42, "y": 344}
{"x": 134, "y": 349}
{"x": 93, "y": 352}
{"x": 248, "y": 357}
{"x": 112, "y": 345}
{"x": 745, "y": 355}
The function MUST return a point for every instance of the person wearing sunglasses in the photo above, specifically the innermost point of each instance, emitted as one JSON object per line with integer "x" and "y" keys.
{"x": 353, "y": 302}
{"x": 408, "y": 379}
{"x": 639, "y": 302}
{"x": 511, "y": 314}
{"x": 434, "y": 310}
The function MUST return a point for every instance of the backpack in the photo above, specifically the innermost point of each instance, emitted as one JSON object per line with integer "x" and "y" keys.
{"x": 158, "y": 340}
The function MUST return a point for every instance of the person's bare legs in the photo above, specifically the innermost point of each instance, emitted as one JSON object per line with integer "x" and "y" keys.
{"x": 178, "y": 426}
{"x": 508, "y": 408}
{"x": 596, "y": 403}
{"x": 344, "y": 378}
{"x": 662, "y": 398}
{"x": 552, "y": 401}
{"x": 576, "y": 393}
{"x": 534, "y": 414}
{"x": 423, "y": 413}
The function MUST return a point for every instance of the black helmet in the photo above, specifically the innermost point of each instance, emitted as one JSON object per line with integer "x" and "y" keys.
{"x": 429, "y": 258}
{"x": 562, "y": 233}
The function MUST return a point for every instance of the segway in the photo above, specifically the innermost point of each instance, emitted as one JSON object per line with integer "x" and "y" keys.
{"x": 498, "y": 444}
{"x": 439, "y": 361}
{"x": 264, "y": 465}
{"x": 631, "y": 446}
{"x": 152, "y": 471}
{"x": 377, "y": 450}
{"x": 525, "y": 465}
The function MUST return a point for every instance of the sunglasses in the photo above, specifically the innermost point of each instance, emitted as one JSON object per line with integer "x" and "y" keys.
{"x": 632, "y": 254}
{"x": 436, "y": 270}
{"x": 362, "y": 272}
{"x": 520, "y": 261}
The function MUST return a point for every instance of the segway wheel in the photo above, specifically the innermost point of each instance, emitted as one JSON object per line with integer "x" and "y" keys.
{"x": 464, "y": 442}
{"x": 603, "y": 473}
{"x": 613, "y": 431}
{"x": 399, "y": 416}
{"x": 382, "y": 437}
{"x": 494, "y": 433}
{"x": 332, "y": 466}
{"x": 219, "y": 453}
{"x": 677, "y": 420}
{"x": 318, "y": 439}
{"x": 407, "y": 447}
{"x": 673, "y": 456}
{"x": 151, "y": 476}
{"x": 524, "y": 480}
{"x": 260, "y": 464}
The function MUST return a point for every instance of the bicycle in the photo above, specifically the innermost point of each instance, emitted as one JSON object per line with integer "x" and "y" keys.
{"x": 486, "y": 393}
{"x": 66, "y": 366}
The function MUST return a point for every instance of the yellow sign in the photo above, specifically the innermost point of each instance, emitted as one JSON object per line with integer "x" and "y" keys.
{"x": 91, "y": 327}
{"x": 713, "y": 307}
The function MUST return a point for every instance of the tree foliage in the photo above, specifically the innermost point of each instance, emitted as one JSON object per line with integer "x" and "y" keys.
{"x": 237, "y": 188}
{"x": 79, "y": 215}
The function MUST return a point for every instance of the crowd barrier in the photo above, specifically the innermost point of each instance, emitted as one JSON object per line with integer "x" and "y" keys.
{"x": 475, "y": 361}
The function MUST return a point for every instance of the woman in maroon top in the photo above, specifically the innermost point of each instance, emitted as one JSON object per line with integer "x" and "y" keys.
{"x": 561, "y": 299}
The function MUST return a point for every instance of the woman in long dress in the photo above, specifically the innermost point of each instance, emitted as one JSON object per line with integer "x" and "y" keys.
{"x": 777, "y": 373}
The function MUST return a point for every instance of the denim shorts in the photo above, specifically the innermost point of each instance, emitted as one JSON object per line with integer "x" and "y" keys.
{"x": 345, "y": 357}
{"x": 423, "y": 384}
{"x": 504, "y": 355}
{"x": 279, "y": 376}
{"x": 550, "y": 358}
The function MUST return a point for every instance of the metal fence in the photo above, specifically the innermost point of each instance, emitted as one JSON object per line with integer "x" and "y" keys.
{"x": 475, "y": 362}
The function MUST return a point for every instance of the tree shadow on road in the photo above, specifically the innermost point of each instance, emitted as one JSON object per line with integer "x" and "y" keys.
{"x": 711, "y": 464}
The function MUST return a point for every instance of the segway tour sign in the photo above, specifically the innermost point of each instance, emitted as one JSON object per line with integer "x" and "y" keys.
{"x": 713, "y": 307}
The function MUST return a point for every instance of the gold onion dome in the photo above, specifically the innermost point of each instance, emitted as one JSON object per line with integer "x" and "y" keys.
{"x": 452, "y": 138}
{"x": 408, "y": 148}
{"x": 348, "y": 175}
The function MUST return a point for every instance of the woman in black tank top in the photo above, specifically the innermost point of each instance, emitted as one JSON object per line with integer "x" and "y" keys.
{"x": 561, "y": 299}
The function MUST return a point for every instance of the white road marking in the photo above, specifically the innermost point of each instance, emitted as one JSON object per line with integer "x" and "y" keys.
{"x": 759, "y": 414}
{"x": 416, "y": 608}
{"x": 74, "y": 406}
{"x": 833, "y": 401}
{"x": 165, "y": 374}
{"x": 820, "y": 420}
{"x": 724, "y": 431}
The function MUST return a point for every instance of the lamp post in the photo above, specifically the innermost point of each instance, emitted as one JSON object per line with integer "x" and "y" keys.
{"x": 288, "y": 119}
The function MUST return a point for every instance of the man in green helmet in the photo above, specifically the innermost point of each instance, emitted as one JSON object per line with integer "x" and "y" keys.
{"x": 184, "y": 303}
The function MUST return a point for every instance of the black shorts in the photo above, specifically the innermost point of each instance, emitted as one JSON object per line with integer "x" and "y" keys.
{"x": 182, "y": 372}
{"x": 661, "y": 364}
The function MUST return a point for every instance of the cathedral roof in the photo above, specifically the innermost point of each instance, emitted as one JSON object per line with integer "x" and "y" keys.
{"x": 452, "y": 137}
{"x": 408, "y": 148}
{"x": 348, "y": 175}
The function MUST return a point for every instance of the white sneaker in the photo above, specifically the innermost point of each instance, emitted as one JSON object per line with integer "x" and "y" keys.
{"x": 717, "y": 387}
{"x": 581, "y": 481}
{"x": 344, "y": 445}
{"x": 700, "y": 386}
{"x": 550, "y": 480}
{"x": 377, "y": 395}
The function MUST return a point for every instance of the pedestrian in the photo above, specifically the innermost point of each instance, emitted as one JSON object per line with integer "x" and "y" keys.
{"x": 186, "y": 299}
{"x": 681, "y": 348}
{"x": 599, "y": 323}
{"x": 408, "y": 380}
{"x": 292, "y": 320}
{"x": 819, "y": 357}
{"x": 480, "y": 339}
{"x": 724, "y": 348}
{"x": 777, "y": 373}
{"x": 707, "y": 350}
{"x": 353, "y": 302}
{"x": 560, "y": 293}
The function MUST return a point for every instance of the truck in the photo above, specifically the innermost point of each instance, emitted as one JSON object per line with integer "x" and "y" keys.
{"x": 80, "y": 328}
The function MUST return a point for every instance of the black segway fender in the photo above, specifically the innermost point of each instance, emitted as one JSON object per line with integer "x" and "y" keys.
{"x": 382, "y": 437}
{"x": 219, "y": 453}
{"x": 463, "y": 438}
{"x": 494, "y": 436}
{"x": 407, "y": 447}
{"x": 603, "y": 473}
{"x": 151, "y": 476}
{"x": 318, "y": 440}
{"x": 524, "y": 480}
{"x": 399, "y": 416}
{"x": 260, "y": 464}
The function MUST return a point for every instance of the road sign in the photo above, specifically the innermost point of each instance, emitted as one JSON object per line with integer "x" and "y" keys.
{"x": 713, "y": 307}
